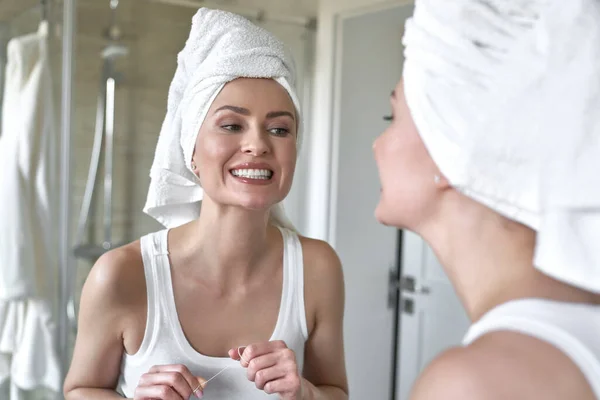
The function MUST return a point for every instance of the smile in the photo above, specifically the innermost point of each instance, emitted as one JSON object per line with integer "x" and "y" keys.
{"x": 259, "y": 174}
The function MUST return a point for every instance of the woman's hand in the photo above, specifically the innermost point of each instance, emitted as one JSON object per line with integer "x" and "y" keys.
{"x": 169, "y": 382}
{"x": 272, "y": 367}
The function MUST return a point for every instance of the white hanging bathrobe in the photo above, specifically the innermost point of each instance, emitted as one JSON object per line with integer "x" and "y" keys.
{"x": 28, "y": 221}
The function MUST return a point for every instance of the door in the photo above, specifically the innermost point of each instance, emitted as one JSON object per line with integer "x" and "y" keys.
{"x": 432, "y": 318}
{"x": 368, "y": 62}
{"x": 384, "y": 354}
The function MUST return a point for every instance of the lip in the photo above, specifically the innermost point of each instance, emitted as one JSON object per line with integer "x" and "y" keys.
{"x": 252, "y": 165}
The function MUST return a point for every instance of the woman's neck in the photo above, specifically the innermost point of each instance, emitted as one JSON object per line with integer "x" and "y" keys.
{"x": 489, "y": 258}
{"x": 225, "y": 244}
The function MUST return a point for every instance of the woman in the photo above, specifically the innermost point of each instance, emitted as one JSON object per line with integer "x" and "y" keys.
{"x": 229, "y": 302}
{"x": 493, "y": 123}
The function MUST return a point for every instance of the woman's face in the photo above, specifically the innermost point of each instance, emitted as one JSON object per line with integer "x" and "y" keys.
{"x": 245, "y": 153}
{"x": 406, "y": 170}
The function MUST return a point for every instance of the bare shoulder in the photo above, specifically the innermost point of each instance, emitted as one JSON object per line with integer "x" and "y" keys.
{"x": 109, "y": 304}
{"x": 502, "y": 365}
{"x": 321, "y": 261}
{"x": 454, "y": 374}
{"x": 324, "y": 291}
{"x": 117, "y": 275}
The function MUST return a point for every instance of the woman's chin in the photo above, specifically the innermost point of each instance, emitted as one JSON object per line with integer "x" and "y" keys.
{"x": 385, "y": 215}
{"x": 254, "y": 204}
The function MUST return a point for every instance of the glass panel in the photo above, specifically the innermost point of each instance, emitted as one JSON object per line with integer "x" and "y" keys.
{"x": 19, "y": 18}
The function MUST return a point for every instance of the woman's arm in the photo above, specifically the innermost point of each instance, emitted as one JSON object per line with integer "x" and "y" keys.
{"x": 105, "y": 301}
{"x": 324, "y": 364}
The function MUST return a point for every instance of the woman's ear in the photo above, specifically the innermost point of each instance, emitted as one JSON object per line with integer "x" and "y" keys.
{"x": 194, "y": 165}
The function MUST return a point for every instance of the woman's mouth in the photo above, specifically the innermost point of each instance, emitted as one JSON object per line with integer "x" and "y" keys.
{"x": 263, "y": 175}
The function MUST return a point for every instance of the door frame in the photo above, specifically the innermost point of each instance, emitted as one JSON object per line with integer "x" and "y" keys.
{"x": 331, "y": 194}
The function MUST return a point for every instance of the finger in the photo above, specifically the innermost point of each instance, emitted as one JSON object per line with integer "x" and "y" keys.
{"x": 288, "y": 384}
{"x": 284, "y": 359}
{"x": 159, "y": 392}
{"x": 259, "y": 349}
{"x": 235, "y": 353}
{"x": 266, "y": 375}
{"x": 192, "y": 381}
{"x": 199, "y": 390}
{"x": 260, "y": 363}
{"x": 172, "y": 379}
{"x": 231, "y": 353}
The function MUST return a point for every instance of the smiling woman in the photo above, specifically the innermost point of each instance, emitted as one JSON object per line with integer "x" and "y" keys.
{"x": 245, "y": 154}
{"x": 229, "y": 293}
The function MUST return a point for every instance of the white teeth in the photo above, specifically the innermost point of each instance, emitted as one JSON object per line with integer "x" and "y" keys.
{"x": 252, "y": 173}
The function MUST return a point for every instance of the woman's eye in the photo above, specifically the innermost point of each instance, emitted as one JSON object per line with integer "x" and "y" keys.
{"x": 232, "y": 128}
{"x": 388, "y": 118}
{"x": 279, "y": 131}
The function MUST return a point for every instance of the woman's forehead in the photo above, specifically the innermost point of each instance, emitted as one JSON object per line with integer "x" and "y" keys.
{"x": 255, "y": 93}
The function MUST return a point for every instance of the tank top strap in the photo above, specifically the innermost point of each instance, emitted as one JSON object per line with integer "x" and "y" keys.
{"x": 294, "y": 279}
{"x": 154, "y": 250}
{"x": 162, "y": 276}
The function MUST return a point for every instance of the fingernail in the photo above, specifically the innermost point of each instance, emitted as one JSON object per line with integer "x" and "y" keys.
{"x": 197, "y": 395}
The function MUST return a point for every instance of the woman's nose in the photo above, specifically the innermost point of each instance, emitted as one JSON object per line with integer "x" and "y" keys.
{"x": 255, "y": 142}
{"x": 374, "y": 148}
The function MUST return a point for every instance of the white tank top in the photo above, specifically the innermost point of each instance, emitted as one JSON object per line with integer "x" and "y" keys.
{"x": 572, "y": 328}
{"x": 165, "y": 343}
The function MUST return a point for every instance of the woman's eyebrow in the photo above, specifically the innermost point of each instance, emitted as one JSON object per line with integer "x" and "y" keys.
{"x": 275, "y": 114}
{"x": 238, "y": 110}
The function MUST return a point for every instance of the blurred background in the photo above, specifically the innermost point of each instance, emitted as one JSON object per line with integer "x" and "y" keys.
{"x": 104, "y": 98}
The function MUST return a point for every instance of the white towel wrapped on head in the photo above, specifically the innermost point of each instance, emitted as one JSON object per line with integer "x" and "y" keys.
{"x": 506, "y": 96}
{"x": 221, "y": 47}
